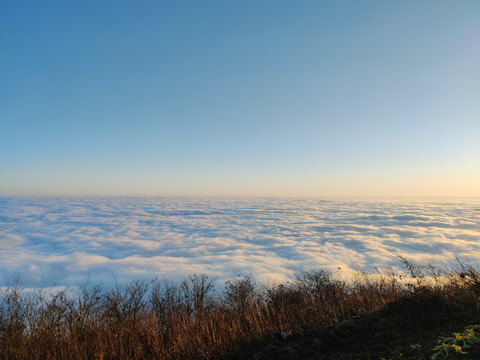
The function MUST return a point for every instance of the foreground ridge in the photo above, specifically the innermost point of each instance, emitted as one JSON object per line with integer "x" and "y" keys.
{"x": 315, "y": 316}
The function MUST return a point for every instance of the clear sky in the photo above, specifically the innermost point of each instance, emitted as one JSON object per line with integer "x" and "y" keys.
{"x": 294, "y": 98}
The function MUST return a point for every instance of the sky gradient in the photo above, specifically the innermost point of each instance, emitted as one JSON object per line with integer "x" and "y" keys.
{"x": 266, "y": 98}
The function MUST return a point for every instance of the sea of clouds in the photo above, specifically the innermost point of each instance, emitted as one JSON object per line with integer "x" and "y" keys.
{"x": 63, "y": 241}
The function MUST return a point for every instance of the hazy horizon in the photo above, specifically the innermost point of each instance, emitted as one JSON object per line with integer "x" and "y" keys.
{"x": 214, "y": 98}
{"x": 393, "y": 193}
{"x": 240, "y": 197}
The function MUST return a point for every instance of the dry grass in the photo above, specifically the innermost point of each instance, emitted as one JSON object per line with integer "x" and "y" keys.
{"x": 162, "y": 320}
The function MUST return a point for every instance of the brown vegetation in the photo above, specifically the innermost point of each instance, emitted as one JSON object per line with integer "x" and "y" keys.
{"x": 161, "y": 320}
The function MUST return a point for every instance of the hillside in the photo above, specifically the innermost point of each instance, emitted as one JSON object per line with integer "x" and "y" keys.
{"x": 315, "y": 316}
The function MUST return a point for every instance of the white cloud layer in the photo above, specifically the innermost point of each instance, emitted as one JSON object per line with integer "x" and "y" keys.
{"x": 59, "y": 241}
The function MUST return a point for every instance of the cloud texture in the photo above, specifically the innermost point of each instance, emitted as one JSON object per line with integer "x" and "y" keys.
{"x": 58, "y": 241}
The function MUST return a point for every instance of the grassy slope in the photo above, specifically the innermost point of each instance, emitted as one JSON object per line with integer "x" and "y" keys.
{"x": 372, "y": 317}
{"x": 406, "y": 329}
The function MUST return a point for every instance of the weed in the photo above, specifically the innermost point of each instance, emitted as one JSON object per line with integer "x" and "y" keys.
{"x": 459, "y": 344}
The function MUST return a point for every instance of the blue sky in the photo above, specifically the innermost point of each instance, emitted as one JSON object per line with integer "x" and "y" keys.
{"x": 309, "y": 98}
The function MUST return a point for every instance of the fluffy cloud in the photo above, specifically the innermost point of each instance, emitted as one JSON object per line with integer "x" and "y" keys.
{"x": 60, "y": 241}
